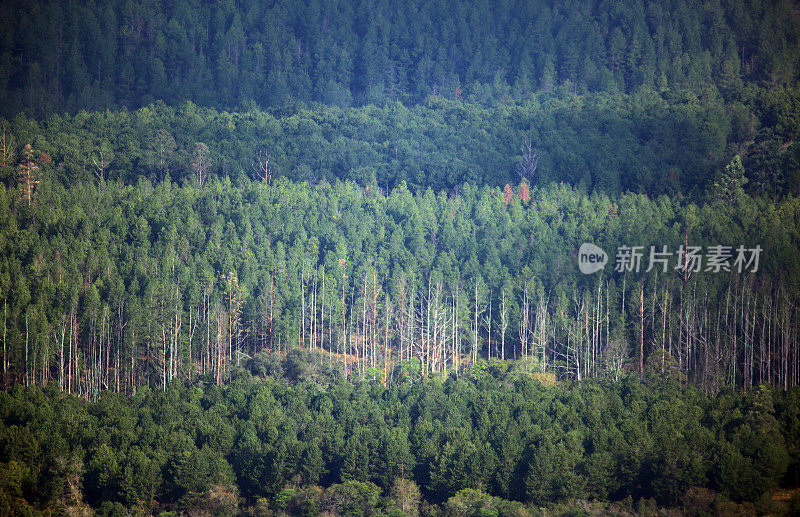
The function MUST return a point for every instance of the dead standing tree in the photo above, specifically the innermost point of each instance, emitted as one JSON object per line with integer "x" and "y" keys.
{"x": 529, "y": 161}
{"x": 201, "y": 163}
{"x": 262, "y": 167}
{"x": 27, "y": 174}
{"x": 101, "y": 158}
{"x": 7, "y": 144}
{"x": 160, "y": 152}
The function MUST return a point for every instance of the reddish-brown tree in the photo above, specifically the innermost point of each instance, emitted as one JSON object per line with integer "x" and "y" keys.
{"x": 524, "y": 192}
{"x": 27, "y": 173}
{"x": 508, "y": 194}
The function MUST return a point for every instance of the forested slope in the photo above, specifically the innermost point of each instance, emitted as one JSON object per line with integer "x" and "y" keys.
{"x": 326, "y": 257}
{"x": 115, "y": 286}
{"x": 671, "y": 143}
{"x": 492, "y": 442}
{"x": 66, "y": 56}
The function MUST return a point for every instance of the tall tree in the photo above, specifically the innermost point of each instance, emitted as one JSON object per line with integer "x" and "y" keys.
{"x": 27, "y": 174}
{"x": 201, "y": 163}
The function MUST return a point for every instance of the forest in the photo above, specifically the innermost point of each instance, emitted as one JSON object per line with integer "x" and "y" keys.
{"x": 285, "y": 437}
{"x": 117, "y": 286}
{"x": 110, "y": 54}
{"x": 272, "y": 258}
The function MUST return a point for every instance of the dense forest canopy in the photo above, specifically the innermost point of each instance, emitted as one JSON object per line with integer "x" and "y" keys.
{"x": 473, "y": 446}
{"x": 672, "y": 143}
{"x": 66, "y": 56}
{"x": 327, "y": 257}
{"x": 122, "y": 285}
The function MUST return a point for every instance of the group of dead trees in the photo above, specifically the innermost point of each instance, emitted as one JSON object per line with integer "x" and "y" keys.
{"x": 742, "y": 335}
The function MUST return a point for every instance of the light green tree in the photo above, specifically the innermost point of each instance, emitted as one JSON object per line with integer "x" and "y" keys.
{"x": 728, "y": 186}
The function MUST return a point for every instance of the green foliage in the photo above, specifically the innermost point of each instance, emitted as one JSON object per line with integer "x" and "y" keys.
{"x": 453, "y": 442}
{"x": 728, "y": 186}
{"x": 116, "y": 54}
{"x": 604, "y": 142}
{"x": 143, "y": 266}
{"x": 475, "y": 503}
{"x": 268, "y": 200}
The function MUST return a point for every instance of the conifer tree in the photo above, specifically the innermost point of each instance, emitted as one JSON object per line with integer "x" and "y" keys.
{"x": 27, "y": 174}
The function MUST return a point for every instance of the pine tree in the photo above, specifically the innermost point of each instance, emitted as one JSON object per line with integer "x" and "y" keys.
{"x": 27, "y": 173}
{"x": 728, "y": 186}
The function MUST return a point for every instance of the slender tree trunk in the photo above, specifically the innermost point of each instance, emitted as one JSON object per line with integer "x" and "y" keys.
{"x": 475, "y": 328}
{"x": 322, "y": 317}
{"x": 133, "y": 362}
{"x": 456, "y": 338}
{"x": 61, "y": 355}
{"x": 524, "y": 326}
{"x": 164, "y": 345}
{"x": 344, "y": 326}
{"x": 220, "y": 347}
{"x": 5, "y": 346}
{"x": 364, "y": 327}
{"x": 69, "y": 364}
{"x": 374, "y": 315}
{"x": 313, "y": 340}
{"x": 641, "y": 329}
{"x": 664, "y": 328}
{"x": 386, "y": 343}
{"x": 503, "y": 324}
{"x": 489, "y": 327}
{"x": 27, "y": 365}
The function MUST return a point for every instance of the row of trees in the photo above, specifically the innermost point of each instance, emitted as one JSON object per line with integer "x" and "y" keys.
{"x": 670, "y": 143}
{"x": 494, "y": 441}
{"x": 122, "y": 286}
{"x": 58, "y": 56}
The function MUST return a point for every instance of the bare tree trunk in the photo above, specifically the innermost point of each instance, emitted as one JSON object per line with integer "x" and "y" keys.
{"x": 386, "y": 343}
{"x": 164, "y": 345}
{"x": 192, "y": 329}
{"x": 72, "y": 326}
{"x": 27, "y": 365}
{"x": 133, "y": 362}
{"x": 174, "y": 356}
{"x": 641, "y": 329}
{"x": 503, "y": 324}
{"x": 120, "y": 338}
{"x": 524, "y": 326}
{"x": 411, "y": 321}
{"x": 456, "y": 339}
{"x": 426, "y": 331}
{"x": 350, "y": 346}
{"x": 230, "y": 325}
{"x": 301, "y": 338}
{"x": 220, "y": 347}
{"x": 541, "y": 333}
{"x": 489, "y": 326}
{"x": 5, "y": 346}
{"x": 664, "y": 327}
{"x": 322, "y": 316}
{"x": 363, "y": 327}
{"x": 313, "y": 344}
{"x": 61, "y": 355}
{"x": 587, "y": 355}
{"x": 437, "y": 333}
{"x": 344, "y": 327}
{"x": 475, "y": 328}
{"x": 374, "y": 315}
{"x": 608, "y": 334}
